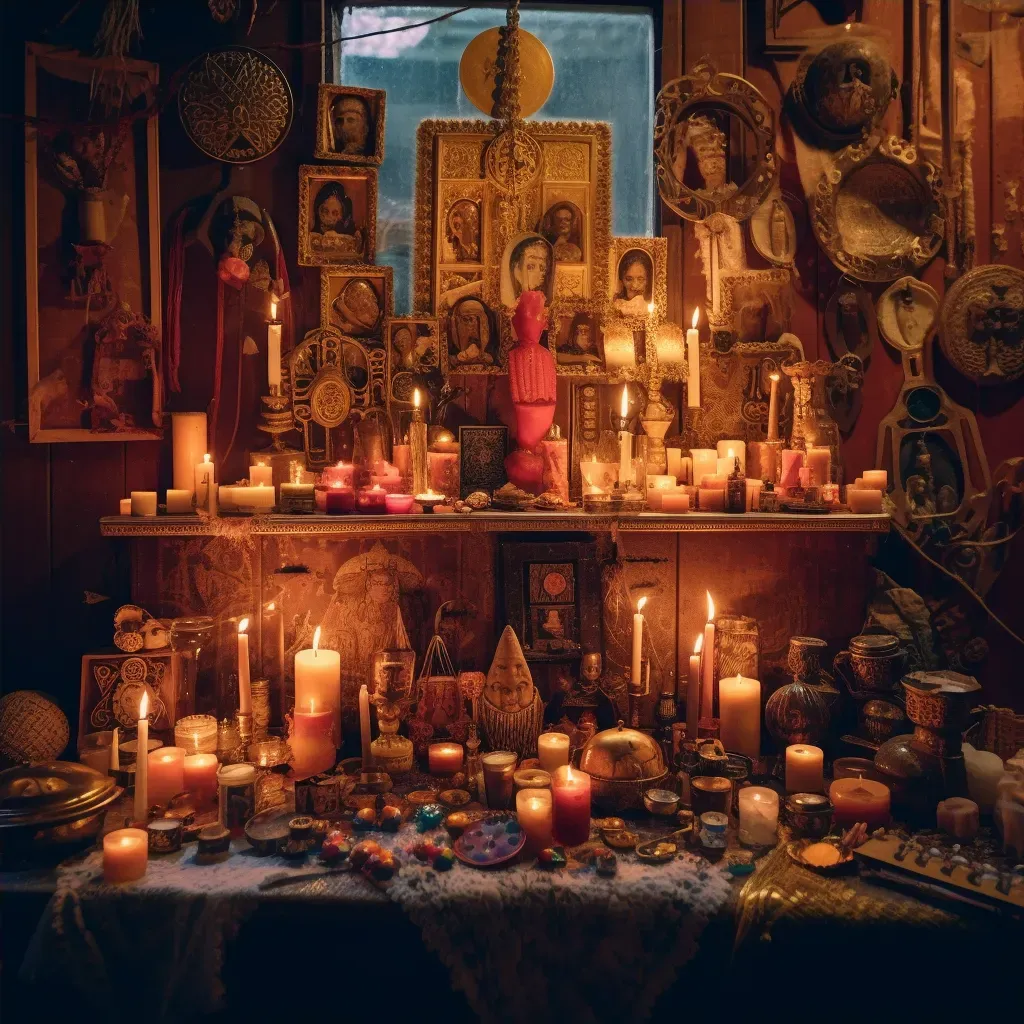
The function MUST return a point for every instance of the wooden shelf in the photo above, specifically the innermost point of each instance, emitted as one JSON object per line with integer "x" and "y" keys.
{"x": 489, "y": 522}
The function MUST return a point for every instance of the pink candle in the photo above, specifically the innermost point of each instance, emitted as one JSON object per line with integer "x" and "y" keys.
{"x": 312, "y": 740}
{"x": 856, "y": 800}
{"x": 570, "y": 812}
{"x": 444, "y": 758}
{"x": 398, "y": 504}
{"x": 166, "y": 774}
{"x": 125, "y": 853}
{"x": 443, "y": 473}
{"x": 864, "y": 500}
{"x": 534, "y": 811}
{"x": 338, "y": 499}
{"x": 200, "y": 777}
{"x": 792, "y": 462}
{"x": 711, "y": 499}
{"x": 805, "y": 476}
{"x": 340, "y": 475}
{"x": 371, "y": 500}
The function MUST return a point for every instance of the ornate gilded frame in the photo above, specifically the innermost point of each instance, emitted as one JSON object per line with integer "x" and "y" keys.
{"x": 657, "y": 251}
{"x": 707, "y": 89}
{"x": 375, "y": 99}
{"x": 576, "y": 167}
{"x": 307, "y": 173}
{"x": 439, "y": 364}
{"x": 894, "y": 159}
{"x": 776, "y": 284}
{"x": 385, "y": 274}
{"x": 597, "y": 311}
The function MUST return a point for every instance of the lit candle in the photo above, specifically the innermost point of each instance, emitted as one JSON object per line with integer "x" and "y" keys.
{"x": 552, "y": 750}
{"x": 337, "y": 498}
{"x": 273, "y": 347}
{"x": 196, "y": 733}
{"x": 371, "y": 500}
{"x": 598, "y": 477}
{"x": 693, "y": 690}
{"x": 179, "y": 502}
{"x": 819, "y": 462}
{"x": 143, "y": 503}
{"x": 638, "y": 642}
{"x": 444, "y": 758}
{"x": 570, "y": 812}
{"x": 704, "y": 462}
{"x": 876, "y": 478}
{"x": 318, "y": 679}
{"x": 244, "y": 687}
{"x": 625, "y": 443}
{"x": 534, "y": 811}
{"x": 311, "y": 739}
{"x": 443, "y": 472}
{"x": 200, "y": 777}
{"x": 364, "y": 727}
{"x": 204, "y": 482}
{"x": 141, "y": 808}
{"x": 759, "y": 815}
{"x": 340, "y": 475}
{"x": 261, "y": 475}
{"x": 693, "y": 360}
{"x": 728, "y": 453}
{"x": 707, "y": 690}
{"x": 804, "y": 765}
{"x": 773, "y": 408}
{"x": 125, "y": 854}
{"x": 166, "y": 774}
{"x": 739, "y": 710}
{"x": 855, "y": 800}
{"x": 115, "y": 751}
{"x": 418, "y": 446}
{"x": 792, "y": 463}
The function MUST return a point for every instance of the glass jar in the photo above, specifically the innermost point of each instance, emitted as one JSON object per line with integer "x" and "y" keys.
{"x": 194, "y": 640}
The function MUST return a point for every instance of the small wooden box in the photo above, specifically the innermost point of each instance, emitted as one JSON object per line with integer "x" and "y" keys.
{"x": 113, "y": 684}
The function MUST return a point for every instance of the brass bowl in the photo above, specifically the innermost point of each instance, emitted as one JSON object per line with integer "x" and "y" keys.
{"x": 622, "y": 764}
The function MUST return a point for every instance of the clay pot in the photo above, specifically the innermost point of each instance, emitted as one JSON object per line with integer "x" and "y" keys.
{"x": 796, "y": 713}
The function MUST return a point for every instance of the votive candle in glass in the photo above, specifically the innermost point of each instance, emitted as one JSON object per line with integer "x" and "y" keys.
{"x": 444, "y": 758}
{"x": 166, "y": 776}
{"x": 856, "y": 800}
{"x": 570, "y": 816}
{"x": 552, "y": 750}
{"x": 125, "y": 855}
{"x": 759, "y": 815}
{"x": 196, "y": 734}
{"x": 398, "y": 504}
{"x": 534, "y": 810}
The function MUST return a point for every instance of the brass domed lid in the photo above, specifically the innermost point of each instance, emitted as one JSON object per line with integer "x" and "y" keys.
{"x": 52, "y": 792}
{"x": 622, "y": 755}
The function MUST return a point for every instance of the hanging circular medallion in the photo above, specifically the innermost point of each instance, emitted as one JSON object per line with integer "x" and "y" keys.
{"x": 330, "y": 398}
{"x": 982, "y": 332}
{"x": 235, "y": 104}
{"x": 478, "y": 71}
{"x": 512, "y": 160}
{"x": 878, "y": 210}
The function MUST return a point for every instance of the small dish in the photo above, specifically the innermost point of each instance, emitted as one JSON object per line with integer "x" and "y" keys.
{"x": 620, "y": 838}
{"x": 267, "y": 832}
{"x": 797, "y": 848}
{"x": 454, "y": 798}
{"x": 490, "y": 842}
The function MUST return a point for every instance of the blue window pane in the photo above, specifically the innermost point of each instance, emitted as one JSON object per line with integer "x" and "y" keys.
{"x": 604, "y": 68}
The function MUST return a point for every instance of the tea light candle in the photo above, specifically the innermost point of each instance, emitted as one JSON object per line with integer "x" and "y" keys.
{"x": 200, "y": 777}
{"x": 125, "y": 855}
{"x": 552, "y": 750}
{"x": 196, "y": 734}
{"x": 856, "y": 800}
{"x": 792, "y": 463}
{"x": 804, "y": 768}
{"x": 876, "y": 479}
{"x": 531, "y": 778}
{"x": 570, "y": 813}
{"x": 704, "y": 462}
{"x": 124, "y": 506}
{"x": 261, "y": 475}
{"x": 819, "y": 462}
{"x": 312, "y": 740}
{"x": 534, "y": 809}
{"x": 143, "y": 503}
{"x": 864, "y": 500}
{"x": 371, "y": 500}
{"x": 958, "y": 817}
{"x": 759, "y": 815}
{"x": 711, "y": 499}
{"x": 729, "y": 451}
{"x": 179, "y": 502}
{"x": 739, "y": 711}
{"x": 398, "y": 504}
{"x": 444, "y": 758}
{"x": 166, "y": 774}
{"x": 318, "y": 680}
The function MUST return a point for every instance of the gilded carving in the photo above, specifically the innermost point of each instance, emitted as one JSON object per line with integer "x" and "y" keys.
{"x": 461, "y": 159}
{"x": 566, "y": 161}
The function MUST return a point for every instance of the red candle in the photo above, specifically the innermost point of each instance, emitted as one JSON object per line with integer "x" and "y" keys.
{"x": 200, "y": 772}
{"x": 398, "y": 504}
{"x": 444, "y": 758}
{"x": 856, "y": 800}
{"x": 570, "y": 815}
{"x": 339, "y": 475}
{"x": 339, "y": 499}
{"x": 371, "y": 500}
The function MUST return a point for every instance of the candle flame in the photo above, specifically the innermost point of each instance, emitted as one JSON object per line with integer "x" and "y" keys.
{"x": 696, "y": 317}
{"x": 651, "y": 307}
{"x": 711, "y": 607}
{"x": 144, "y": 706}
{"x": 730, "y": 454}
{"x": 243, "y": 625}
{"x": 316, "y": 639}
{"x": 624, "y": 404}
{"x": 273, "y": 309}
{"x": 312, "y": 705}
{"x": 774, "y": 377}
{"x": 271, "y": 606}
{"x": 699, "y": 644}
{"x": 416, "y": 398}
{"x": 640, "y": 604}
{"x": 206, "y": 457}
{"x": 335, "y": 483}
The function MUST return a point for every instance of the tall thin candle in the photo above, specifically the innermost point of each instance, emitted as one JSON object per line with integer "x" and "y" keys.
{"x": 115, "y": 751}
{"x": 693, "y": 361}
{"x": 142, "y": 763}
{"x": 707, "y": 692}
{"x": 244, "y": 685}
{"x": 773, "y": 408}
{"x": 638, "y": 642}
{"x": 364, "y": 726}
{"x": 625, "y": 444}
{"x": 418, "y": 446}
{"x": 273, "y": 347}
{"x": 693, "y": 690}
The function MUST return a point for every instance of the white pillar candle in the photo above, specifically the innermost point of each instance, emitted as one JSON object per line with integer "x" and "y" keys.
{"x": 704, "y": 463}
{"x": 693, "y": 361}
{"x": 625, "y": 444}
{"x": 707, "y": 664}
{"x": 188, "y": 442}
{"x": 730, "y": 451}
{"x": 693, "y": 690}
{"x": 863, "y": 500}
{"x": 364, "y": 726}
{"x": 739, "y": 712}
{"x": 318, "y": 681}
{"x": 141, "y": 807}
{"x": 876, "y": 478}
{"x": 804, "y": 768}
{"x": 261, "y": 475}
{"x": 552, "y": 750}
{"x": 244, "y": 686}
{"x": 179, "y": 502}
{"x": 773, "y": 408}
{"x": 273, "y": 347}
{"x": 759, "y": 815}
{"x": 226, "y": 495}
{"x": 124, "y": 506}
{"x": 533, "y": 809}
{"x": 638, "y": 642}
{"x": 819, "y": 462}
{"x": 260, "y": 498}
{"x": 204, "y": 481}
{"x": 984, "y": 770}
{"x": 143, "y": 503}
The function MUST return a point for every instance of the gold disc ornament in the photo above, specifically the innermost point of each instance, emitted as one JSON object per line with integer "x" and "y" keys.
{"x": 478, "y": 72}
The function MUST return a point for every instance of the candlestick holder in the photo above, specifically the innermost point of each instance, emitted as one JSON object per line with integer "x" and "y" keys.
{"x": 278, "y": 421}
{"x": 656, "y": 419}
{"x": 393, "y": 679}
{"x": 636, "y": 692}
{"x": 260, "y": 691}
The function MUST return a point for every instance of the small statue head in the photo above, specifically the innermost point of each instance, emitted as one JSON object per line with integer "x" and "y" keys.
{"x": 590, "y": 666}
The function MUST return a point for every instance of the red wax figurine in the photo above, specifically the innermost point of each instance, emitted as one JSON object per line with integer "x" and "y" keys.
{"x": 532, "y": 381}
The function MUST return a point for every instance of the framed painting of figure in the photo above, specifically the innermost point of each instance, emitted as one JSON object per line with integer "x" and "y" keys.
{"x": 462, "y": 233}
{"x": 576, "y": 338}
{"x": 413, "y": 355}
{"x": 472, "y": 337}
{"x": 356, "y": 300}
{"x": 92, "y": 250}
{"x": 637, "y": 278}
{"x": 337, "y": 215}
{"x": 350, "y": 124}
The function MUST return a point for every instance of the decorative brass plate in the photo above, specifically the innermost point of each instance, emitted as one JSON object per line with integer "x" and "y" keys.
{"x": 877, "y": 211}
{"x": 235, "y": 104}
{"x": 479, "y": 67}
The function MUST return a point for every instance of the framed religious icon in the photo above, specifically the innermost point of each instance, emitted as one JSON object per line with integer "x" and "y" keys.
{"x": 637, "y": 277}
{"x": 462, "y": 248}
{"x": 757, "y": 305}
{"x": 472, "y": 336}
{"x": 350, "y": 124}
{"x": 92, "y": 249}
{"x": 414, "y": 356}
{"x": 337, "y": 215}
{"x": 356, "y": 300}
{"x": 576, "y": 337}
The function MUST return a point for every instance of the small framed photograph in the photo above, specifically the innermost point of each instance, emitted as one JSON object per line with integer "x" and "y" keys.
{"x": 337, "y": 215}
{"x": 576, "y": 338}
{"x": 638, "y": 276}
{"x": 350, "y": 124}
{"x": 482, "y": 458}
{"x": 356, "y": 300}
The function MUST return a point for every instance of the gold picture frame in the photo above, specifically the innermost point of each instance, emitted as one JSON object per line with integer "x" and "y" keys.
{"x": 632, "y": 311}
{"x": 585, "y": 355}
{"x": 475, "y": 335}
{"x": 318, "y": 184}
{"x": 413, "y": 358}
{"x": 575, "y": 169}
{"x": 374, "y": 107}
{"x": 362, "y": 311}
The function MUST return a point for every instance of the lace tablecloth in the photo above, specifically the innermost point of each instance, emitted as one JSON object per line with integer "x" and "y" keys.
{"x": 520, "y": 943}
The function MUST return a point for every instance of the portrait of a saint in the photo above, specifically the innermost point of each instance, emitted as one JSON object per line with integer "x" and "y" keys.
{"x": 563, "y": 228}
{"x": 351, "y": 126}
{"x": 529, "y": 265}
{"x": 462, "y": 233}
{"x": 634, "y": 284}
{"x": 333, "y": 229}
{"x": 580, "y": 344}
{"x": 472, "y": 334}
